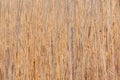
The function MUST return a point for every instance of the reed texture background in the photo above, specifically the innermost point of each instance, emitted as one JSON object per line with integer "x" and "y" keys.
{"x": 59, "y": 39}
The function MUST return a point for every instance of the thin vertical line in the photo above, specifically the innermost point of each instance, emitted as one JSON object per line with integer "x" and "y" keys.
{"x": 82, "y": 37}
{"x": 6, "y": 37}
{"x": 96, "y": 42}
{"x": 19, "y": 11}
{"x": 69, "y": 36}
{"x": 43, "y": 29}
{"x": 91, "y": 15}
{"x": 113, "y": 60}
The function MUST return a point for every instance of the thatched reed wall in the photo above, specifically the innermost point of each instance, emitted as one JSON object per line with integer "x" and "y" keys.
{"x": 59, "y": 39}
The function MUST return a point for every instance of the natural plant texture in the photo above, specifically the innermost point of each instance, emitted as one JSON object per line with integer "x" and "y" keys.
{"x": 59, "y": 39}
